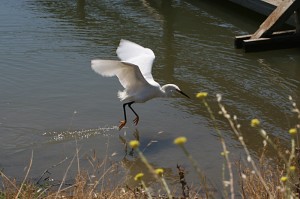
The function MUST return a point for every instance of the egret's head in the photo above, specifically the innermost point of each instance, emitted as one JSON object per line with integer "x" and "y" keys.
{"x": 170, "y": 89}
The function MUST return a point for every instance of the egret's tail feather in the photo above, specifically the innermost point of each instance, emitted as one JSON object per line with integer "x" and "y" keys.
{"x": 122, "y": 95}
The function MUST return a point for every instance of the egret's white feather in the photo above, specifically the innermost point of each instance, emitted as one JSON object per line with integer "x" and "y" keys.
{"x": 128, "y": 74}
{"x": 133, "y": 53}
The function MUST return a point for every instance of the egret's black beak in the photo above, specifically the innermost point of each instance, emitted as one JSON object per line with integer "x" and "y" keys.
{"x": 182, "y": 93}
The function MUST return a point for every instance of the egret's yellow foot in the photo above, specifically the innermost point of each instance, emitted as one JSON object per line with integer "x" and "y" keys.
{"x": 122, "y": 124}
{"x": 136, "y": 120}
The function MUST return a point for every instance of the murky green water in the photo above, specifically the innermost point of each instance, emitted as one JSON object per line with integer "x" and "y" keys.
{"x": 50, "y": 95}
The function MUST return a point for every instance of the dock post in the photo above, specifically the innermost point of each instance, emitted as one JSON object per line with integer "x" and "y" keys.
{"x": 265, "y": 38}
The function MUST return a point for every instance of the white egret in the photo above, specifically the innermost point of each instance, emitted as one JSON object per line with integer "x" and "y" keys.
{"x": 134, "y": 73}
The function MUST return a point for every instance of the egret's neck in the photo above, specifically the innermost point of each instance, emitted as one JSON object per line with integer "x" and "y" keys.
{"x": 165, "y": 91}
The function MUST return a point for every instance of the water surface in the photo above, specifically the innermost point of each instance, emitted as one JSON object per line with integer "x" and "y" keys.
{"x": 50, "y": 95}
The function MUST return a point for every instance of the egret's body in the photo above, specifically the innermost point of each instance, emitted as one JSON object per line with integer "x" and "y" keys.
{"x": 134, "y": 73}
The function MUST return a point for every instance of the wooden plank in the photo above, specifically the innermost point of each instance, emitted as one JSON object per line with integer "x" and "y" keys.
{"x": 260, "y": 6}
{"x": 264, "y": 7}
{"x": 274, "y": 2}
{"x": 277, "y": 18}
{"x": 239, "y": 40}
{"x": 272, "y": 43}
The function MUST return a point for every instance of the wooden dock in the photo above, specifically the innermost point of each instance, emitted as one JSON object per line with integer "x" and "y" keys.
{"x": 264, "y": 7}
{"x": 269, "y": 34}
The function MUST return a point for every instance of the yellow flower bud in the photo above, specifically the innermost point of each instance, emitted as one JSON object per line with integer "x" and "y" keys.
{"x": 159, "y": 171}
{"x": 255, "y": 122}
{"x": 223, "y": 154}
{"x": 180, "y": 140}
{"x": 293, "y": 131}
{"x": 283, "y": 178}
{"x": 138, "y": 176}
{"x": 292, "y": 168}
{"x": 134, "y": 144}
{"x": 201, "y": 95}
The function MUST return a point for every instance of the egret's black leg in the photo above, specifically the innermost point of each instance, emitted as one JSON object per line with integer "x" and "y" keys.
{"x": 136, "y": 120}
{"x": 124, "y": 110}
{"x": 122, "y": 123}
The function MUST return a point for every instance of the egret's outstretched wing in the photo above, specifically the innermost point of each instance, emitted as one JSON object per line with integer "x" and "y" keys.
{"x": 133, "y": 53}
{"x": 129, "y": 75}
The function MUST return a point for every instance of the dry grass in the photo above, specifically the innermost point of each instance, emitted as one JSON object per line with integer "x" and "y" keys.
{"x": 272, "y": 172}
{"x": 87, "y": 185}
{"x": 84, "y": 187}
{"x": 253, "y": 188}
{"x": 97, "y": 183}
